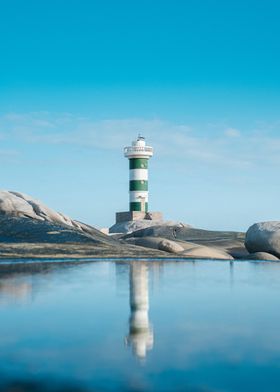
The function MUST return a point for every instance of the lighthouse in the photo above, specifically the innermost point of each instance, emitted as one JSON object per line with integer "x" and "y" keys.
{"x": 138, "y": 154}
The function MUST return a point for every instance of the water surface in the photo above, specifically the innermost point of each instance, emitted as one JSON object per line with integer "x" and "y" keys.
{"x": 140, "y": 326}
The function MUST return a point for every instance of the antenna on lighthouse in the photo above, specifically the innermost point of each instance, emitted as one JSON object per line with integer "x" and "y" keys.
{"x": 140, "y": 137}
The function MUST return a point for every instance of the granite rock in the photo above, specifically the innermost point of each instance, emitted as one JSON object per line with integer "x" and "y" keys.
{"x": 261, "y": 256}
{"x": 206, "y": 252}
{"x": 264, "y": 237}
{"x": 157, "y": 243}
{"x": 229, "y": 242}
{"x": 181, "y": 248}
{"x": 170, "y": 246}
{"x": 30, "y": 229}
{"x": 23, "y": 206}
{"x": 132, "y": 226}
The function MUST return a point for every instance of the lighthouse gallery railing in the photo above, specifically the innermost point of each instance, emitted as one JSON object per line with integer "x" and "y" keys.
{"x": 133, "y": 149}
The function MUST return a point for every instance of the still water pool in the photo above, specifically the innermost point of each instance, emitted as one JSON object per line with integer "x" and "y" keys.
{"x": 140, "y": 326}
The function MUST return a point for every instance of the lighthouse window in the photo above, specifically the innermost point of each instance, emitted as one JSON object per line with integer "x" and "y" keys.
{"x": 142, "y": 165}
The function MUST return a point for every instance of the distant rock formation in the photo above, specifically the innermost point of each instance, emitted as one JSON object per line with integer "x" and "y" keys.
{"x": 28, "y": 228}
{"x": 188, "y": 242}
{"x": 264, "y": 237}
{"x": 180, "y": 248}
{"x": 131, "y": 226}
{"x": 19, "y": 205}
{"x": 24, "y": 219}
{"x": 156, "y": 243}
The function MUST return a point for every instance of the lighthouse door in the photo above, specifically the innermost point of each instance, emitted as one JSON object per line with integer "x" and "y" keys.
{"x": 142, "y": 201}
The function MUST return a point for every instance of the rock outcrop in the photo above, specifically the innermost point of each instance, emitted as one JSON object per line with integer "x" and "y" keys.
{"x": 157, "y": 243}
{"x": 28, "y": 228}
{"x": 180, "y": 248}
{"x": 131, "y": 226}
{"x": 196, "y": 243}
{"x": 19, "y": 205}
{"x": 24, "y": 219}
{"x": 264, "y": 237}
{"x": 206, "y": 252}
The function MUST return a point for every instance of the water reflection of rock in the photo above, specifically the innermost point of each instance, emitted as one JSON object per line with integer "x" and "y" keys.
{"x": 15, "y": 289}
{"x": 17, "y": 283}
{"x": 140, "y": 336}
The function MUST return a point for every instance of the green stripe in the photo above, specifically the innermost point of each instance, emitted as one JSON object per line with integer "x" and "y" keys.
{"x": 138, "y": 163}
{"x": 136, "y": 206}
{"x": 138, "y": 185}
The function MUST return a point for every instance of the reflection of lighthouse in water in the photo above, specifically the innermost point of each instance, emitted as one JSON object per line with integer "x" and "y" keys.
{"x": 140, "y": 331}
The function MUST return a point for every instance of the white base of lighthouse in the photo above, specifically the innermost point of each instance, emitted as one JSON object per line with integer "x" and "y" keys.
{"x": 137, "y": 215}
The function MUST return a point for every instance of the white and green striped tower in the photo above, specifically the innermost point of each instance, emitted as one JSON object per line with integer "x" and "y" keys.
{"x": 138, "y": 154}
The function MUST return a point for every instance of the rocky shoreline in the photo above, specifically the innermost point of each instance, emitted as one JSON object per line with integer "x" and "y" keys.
{"x": 29, "y": 229}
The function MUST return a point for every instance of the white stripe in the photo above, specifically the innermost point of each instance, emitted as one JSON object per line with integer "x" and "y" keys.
{"x": 138, "y": 174}
{"x": 135, "y": 196}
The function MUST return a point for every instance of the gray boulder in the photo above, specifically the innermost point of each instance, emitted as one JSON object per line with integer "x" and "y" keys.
{"x": 170, "y": 246}
{"x": 146, "y": 242}
{"x": 157, "y": 243}
{"x": 261, "y": 256}
{"x": 206, "y": 252}
{"x": 264, "y": 237}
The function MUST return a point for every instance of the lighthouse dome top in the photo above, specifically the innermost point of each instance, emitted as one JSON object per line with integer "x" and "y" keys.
{"x": 138, "y": 149}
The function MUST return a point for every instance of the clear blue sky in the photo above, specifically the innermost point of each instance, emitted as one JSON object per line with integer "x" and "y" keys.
{"x": 200, "y": 79}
